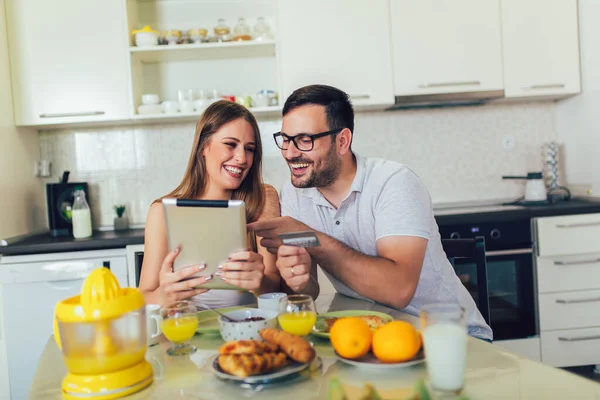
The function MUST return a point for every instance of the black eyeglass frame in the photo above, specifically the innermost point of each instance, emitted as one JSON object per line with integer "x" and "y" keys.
{"x": 304, "y": 135}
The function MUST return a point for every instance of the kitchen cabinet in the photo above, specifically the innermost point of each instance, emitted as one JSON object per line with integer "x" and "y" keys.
{"x": 71, "y": 67}
{"x": 342, "y": 43}
{"x": 568, "y": 260}
{"x": 540, "y": 47}
{"x": 30, "y": 287}
{"x": 446, "y": 46}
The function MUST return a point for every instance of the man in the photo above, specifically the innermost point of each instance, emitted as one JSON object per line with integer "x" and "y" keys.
{"x": 374, "y": 219}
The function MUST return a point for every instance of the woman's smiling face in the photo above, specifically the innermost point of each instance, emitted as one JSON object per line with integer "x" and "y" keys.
{"x": 229, "y": 155}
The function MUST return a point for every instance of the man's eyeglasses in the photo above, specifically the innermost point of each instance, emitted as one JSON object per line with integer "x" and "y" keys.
{"x": 303, "y": 141}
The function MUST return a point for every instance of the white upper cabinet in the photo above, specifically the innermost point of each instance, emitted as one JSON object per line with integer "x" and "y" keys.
{"x": 446, "y": 46}
{"x": 343, "y": 43}
{"x": 68, "y": 60}
{"x": 541, "y": 47}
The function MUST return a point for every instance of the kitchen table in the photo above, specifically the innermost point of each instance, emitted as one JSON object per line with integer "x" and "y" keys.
{"x": 492, "y": 373}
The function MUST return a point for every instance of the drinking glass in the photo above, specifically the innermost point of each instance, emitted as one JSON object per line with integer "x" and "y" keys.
{"x": 300, "y": 315}
{"x": 444, "y": 333}
{"x": 179, "y": 323}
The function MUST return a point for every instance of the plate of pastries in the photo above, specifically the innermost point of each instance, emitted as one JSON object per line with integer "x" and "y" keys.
{"x": 279, "y": 354}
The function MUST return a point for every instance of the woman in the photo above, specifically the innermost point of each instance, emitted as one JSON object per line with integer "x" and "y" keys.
{"x": 225, "y": 164}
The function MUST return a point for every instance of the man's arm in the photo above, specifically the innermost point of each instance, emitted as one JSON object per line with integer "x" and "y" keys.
{"x": 390, "y": 278}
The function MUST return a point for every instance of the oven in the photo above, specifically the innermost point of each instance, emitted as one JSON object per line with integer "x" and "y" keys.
{"x": 135, "y": 257}
{"x": 510, "y": 275}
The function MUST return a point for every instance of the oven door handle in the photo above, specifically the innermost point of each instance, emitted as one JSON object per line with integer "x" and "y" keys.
{"x": 508, "y": 252}
{"x": 577, "y": 339}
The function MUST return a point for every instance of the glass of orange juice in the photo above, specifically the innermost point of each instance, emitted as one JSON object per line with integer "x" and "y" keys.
{"x": 300, "y": 315}
{"x": 179, "y": 323}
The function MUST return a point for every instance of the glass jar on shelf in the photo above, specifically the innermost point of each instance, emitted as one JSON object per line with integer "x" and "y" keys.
{"x": 262, "y": 30}
{"x": 222, "y": 31}
{"x": 173, "y": 36}
{"x": 241, "y": 31}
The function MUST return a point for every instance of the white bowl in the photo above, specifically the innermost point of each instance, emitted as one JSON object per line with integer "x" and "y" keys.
{"x": 248, "y": 330}
{"x": 150, "y": 98}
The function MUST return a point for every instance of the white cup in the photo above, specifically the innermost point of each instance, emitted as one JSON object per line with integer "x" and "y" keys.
{"x": 273, "y": 302}
{"x": 170, "y": 106}
{"x": 153, "y": 319}
{"x": 187, "y": 106}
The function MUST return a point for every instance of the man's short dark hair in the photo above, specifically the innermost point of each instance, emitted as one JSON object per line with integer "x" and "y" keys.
{"x": 338, "y": 107}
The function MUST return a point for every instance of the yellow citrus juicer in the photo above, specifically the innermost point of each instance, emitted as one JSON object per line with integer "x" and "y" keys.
{"x": 102, "y": 335}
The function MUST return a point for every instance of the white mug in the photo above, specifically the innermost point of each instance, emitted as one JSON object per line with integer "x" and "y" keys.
{"x": 170, "y": 106}
{"x": 187, "y": 106}
{"x": 153, "y": 319}
{"x": 273, "y": 301}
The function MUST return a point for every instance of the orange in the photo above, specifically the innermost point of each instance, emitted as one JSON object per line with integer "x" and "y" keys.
{"x": 396, "y": 341}
{"x": 351, "y": 337}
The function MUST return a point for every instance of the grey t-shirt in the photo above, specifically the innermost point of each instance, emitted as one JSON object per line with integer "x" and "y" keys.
{"x": 386, "y": 199}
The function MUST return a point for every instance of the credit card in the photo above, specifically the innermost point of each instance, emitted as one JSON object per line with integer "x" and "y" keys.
{"x": 300, "y": 239}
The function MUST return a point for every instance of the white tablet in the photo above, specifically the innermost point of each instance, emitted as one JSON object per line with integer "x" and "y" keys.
{"x": 208, "y": 231}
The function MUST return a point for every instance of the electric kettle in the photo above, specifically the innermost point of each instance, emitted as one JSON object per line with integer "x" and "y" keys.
{"x": 535, "y": 188}
{"x": 102, "y": 335}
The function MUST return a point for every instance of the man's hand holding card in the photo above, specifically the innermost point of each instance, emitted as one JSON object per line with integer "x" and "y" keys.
{"x": 288, "y": 238}
{"x": 270, "y": 229}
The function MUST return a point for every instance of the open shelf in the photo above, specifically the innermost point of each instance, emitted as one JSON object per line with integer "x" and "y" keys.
{"x": 199, "y": 51}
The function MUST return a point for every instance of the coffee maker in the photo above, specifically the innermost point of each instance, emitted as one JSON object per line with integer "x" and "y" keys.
{"x": 59, "y": 199}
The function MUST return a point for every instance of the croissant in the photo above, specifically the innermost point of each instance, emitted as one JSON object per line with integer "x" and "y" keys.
{"x": 295, "y": 347}
{"x": 247, "y": 347}
{"x": 244, "y": 365}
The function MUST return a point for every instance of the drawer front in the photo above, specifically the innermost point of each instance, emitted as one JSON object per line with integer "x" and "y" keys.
{"x": 572, "y": 234}
{"x": 565, "y": 273}
{"x": 569, "y": 310}
{"x": 571, "y": 347}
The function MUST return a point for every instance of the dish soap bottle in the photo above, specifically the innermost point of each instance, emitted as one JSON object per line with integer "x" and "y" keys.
{"x": 81, "y": 215}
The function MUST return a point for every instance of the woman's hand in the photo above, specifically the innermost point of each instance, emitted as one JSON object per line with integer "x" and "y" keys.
{"x": 172, "y": 287}
{"x": 244, "y": 269}
{"x": 294, "y": 267}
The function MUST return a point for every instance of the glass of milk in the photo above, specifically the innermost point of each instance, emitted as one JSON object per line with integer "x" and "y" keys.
{"x": 444, "y": 333}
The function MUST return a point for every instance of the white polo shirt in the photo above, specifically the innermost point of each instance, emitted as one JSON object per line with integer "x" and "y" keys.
{"x": 386, "y": 199}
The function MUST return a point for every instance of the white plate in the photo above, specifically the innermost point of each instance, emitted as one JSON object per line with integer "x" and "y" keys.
{"x": 270, "y": 377}
{"x": 369, "y": 361}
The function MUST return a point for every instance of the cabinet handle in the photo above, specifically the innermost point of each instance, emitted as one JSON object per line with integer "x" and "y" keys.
{"x": 580, "y": 225}
{"x": 445, "y": 84}
{"x": 578, "y": 339}
{"x": 592, "y": 300}
{"x": 360, "y": 96}
{"x": 69, "y": 284}
{"x": 545, "y": 86}
{"x": 594, "y": 261}
{"x": 76, "y": 114}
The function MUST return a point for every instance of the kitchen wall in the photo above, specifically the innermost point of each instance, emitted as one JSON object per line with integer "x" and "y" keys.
{"x": 578, "y": 119}
{"x": 457, "y": 152}
{"x": 21, "y": 194}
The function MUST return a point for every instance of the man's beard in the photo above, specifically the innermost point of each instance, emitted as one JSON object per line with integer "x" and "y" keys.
{"x": 325, "y": 177}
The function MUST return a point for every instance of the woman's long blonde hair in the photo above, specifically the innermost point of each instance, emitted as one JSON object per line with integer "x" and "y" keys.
{"x": 194, "y": 180}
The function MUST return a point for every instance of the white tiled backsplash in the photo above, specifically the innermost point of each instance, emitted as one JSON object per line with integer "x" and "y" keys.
{"x": 457, "y": 152}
